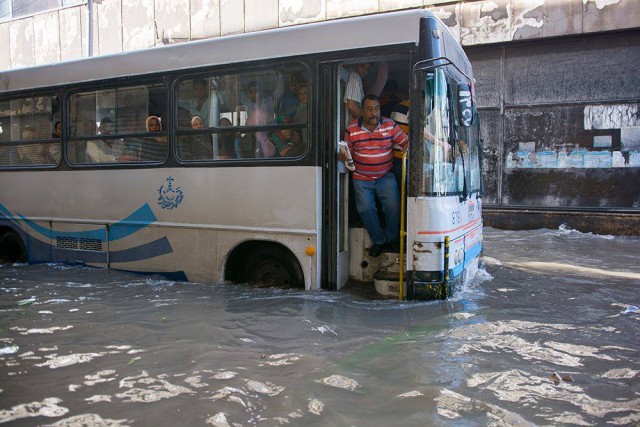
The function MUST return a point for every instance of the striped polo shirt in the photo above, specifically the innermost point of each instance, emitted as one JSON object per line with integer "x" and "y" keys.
{"x": 372, "y": 151}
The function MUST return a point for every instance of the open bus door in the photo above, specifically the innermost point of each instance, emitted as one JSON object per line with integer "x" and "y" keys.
{"x": 335, "y": 181}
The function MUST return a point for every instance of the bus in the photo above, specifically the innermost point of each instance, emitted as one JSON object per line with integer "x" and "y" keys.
{"x": 216, "y": 160}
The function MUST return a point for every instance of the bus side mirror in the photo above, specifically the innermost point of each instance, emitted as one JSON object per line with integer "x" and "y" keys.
{"x": 465, "y": 105}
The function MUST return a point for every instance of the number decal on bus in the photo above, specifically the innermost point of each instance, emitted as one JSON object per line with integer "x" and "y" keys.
{"x": 455, "y": 217}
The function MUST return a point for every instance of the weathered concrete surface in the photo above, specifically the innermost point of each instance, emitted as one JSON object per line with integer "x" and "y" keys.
{"x": 344, "y": 8}
{"x": 172, "y": 21}
{"x": 71, "y": 34}
{"x": 138, "y": 29}
{"x": 294, "y": 12}
{"x": 561, "y": 121}
{"x": 108, "y": 27}
{"x": 21, "y": 41}
{"x": 231, "y": 17}
{"x": 450, "y": 16}
{"x": 122, "y": 25}
{"x": 485, "y": 22}
{"x": 624, "y": 224}
{"x": 604, "y": 15}
{"x": 205, "y": 18}
{"x": 5, "y": 57}
{"x": 46, "y": 36}
{"x": 260, "y": 15}
{"x": 386, "y": 5}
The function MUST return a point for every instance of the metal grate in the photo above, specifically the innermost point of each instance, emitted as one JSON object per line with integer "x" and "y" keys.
{"x": 79, "y": 244}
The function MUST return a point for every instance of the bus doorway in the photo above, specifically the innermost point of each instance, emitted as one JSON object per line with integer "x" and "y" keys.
{"x": 345, "y": 239}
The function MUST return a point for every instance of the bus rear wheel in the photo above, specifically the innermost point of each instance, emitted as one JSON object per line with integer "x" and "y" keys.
{"x": 11, "y": 248}
{"x": 273, "y": 267}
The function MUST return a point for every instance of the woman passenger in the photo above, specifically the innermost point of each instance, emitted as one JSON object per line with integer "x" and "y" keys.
{"x": 154, "y": 148}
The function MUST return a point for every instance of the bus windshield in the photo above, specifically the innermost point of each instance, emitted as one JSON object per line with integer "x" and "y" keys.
{"x": 440, "y": 153}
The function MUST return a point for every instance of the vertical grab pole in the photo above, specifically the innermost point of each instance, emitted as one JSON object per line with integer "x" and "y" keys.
{"x": 108, "y": 229}
{"x": 403, "y": 215}
{"x": 445, "y": 282}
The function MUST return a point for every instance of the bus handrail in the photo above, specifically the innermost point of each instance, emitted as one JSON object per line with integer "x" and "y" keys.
{"x": 431, "y": 63}
{"x": 403, "y": 215}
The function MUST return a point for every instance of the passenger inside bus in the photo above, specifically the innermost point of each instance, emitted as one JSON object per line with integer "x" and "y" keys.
{"x": 391, "y": 95}
{"x": 227, "y": 141}
{"x": 356, "y": 90}
{"x": 28, "y": 154}
{"x": 288, "y": 103}
{"x": 109, "y": 150}
{"x": 154, "y": 148}
{"x": 201, "y": 104}
{"x": 199, "y": 147}
{"x": 57, "y": 130}
{"x": 260, "y": 110}
{"x": 400, "y": 115}
{"x": 287, "y": 141}
{"x": 301, "y": 111}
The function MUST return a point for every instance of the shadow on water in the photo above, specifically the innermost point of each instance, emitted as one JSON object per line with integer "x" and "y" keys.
{"x": 545, "y": 334}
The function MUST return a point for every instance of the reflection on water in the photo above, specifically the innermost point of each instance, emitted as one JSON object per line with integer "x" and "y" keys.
{"x": 542, "y": 335}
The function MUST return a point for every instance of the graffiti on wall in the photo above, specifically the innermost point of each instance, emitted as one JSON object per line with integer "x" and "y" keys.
{"x": 622, "y": 118}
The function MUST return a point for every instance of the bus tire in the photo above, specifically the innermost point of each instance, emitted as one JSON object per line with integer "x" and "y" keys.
{"x": 12, "y": 248}
{"x": 274, "y": 267}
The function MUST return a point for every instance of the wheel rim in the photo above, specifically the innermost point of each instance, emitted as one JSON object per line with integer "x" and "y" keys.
{"x": 271, "y": 273}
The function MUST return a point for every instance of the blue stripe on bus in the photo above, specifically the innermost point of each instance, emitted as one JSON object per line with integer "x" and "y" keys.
{"x": 121, "y": 229}
{"x": 146, "y": 251}
{"x": 149, "y": 250}
{"x": 468, "y": 257}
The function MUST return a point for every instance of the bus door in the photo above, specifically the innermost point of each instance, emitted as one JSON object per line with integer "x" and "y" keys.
{"x": 335, "y": 178}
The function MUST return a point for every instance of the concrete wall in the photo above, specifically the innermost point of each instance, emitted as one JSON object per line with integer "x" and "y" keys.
{"x": 124, "y": 25}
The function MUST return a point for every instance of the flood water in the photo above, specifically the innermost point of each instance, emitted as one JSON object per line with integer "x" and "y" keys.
{"x": 544, "y": 335}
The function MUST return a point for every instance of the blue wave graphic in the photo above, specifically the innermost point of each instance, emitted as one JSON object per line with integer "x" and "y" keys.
{"x": 121, "y": 229}
{"x": 153, "y": 249}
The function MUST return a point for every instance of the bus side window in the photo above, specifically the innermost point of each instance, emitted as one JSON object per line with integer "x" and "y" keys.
{"x": 252, "y": 99}
{"x": 23, "y": 120}
{"x": 119, "y": 116}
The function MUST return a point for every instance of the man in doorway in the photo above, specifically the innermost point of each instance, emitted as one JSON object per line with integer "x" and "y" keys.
{"x": 371, "y": 140}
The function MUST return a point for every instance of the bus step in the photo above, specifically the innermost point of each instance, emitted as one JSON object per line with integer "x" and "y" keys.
{"x": 389, "y": 261}
{"x": 387, "y": 283}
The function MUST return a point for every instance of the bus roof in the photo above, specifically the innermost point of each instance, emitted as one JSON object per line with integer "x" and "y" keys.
{"x": 328, "y": 36}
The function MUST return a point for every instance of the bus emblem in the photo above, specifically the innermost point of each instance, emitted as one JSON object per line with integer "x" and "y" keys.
{"x": 169, "y": 197}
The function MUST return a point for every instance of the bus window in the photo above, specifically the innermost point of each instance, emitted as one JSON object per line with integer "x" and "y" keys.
{"x": 254, "y": 114}
{"x": 28, "y": 132}
{"x": 112, "y": 125}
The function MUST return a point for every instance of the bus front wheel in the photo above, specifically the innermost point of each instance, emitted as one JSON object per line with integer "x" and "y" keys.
{"x": 274, "y": 267}
{"x": 11, "y": 248}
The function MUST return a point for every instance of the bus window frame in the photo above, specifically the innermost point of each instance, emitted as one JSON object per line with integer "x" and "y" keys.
{"x": 244, "y": 68}
{"x": 50, "y": 93}
{"x": 96, "y": 86}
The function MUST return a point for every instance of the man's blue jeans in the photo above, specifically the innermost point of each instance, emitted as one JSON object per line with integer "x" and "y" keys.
{"x": 386, "y": 189}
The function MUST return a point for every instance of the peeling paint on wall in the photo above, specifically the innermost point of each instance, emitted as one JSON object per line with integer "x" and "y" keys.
{"x": 205, "y": 18}
{"x": 611, "y": 116}
{"x": 298, "y": 11}
{"x": 344, "y": 8}
{"x": 528, "y": 19}
{"x": 601, "y": 4}
{"x": 486, "y": 22}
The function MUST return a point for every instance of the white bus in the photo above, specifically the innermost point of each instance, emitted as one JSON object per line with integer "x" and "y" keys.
{"x": 202, "y": 161}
